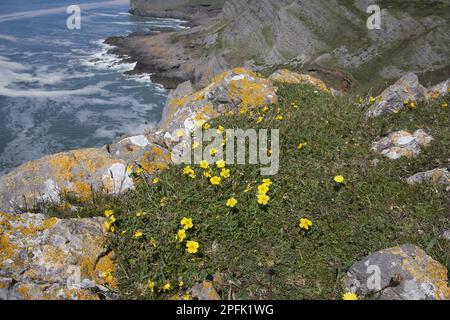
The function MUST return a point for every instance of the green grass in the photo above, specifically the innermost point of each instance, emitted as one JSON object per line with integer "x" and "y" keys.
{"x": 260, "y": 251}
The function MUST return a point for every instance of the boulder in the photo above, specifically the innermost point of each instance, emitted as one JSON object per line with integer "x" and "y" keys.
{"x": 435, "y": 176}
{"x": 50, "y": 258}
{"x": 400, "y": 273}
{"x": 205, "y": 291}
{"x": 402, "y": 144}
{"x": 234, "y": 90}
{"x": 79, "y": 173}
{"x": 393, "y": 98}
{"x": 286, "y": 76}
{"x": 439, "y": 90}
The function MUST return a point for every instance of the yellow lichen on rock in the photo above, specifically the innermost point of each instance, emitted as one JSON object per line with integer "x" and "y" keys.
{"x": 286, "y": 76}
{"x": 49, "y": 258}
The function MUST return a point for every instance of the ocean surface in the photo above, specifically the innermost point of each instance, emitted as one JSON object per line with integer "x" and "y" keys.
{"x": 59, "y": 89}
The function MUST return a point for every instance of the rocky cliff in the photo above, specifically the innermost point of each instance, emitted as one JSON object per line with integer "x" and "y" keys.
{"x": 319, "y": 35}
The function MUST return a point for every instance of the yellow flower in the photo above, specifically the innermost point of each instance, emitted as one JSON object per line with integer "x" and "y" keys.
{"x": 232, "y": 202}
{"x": 153, "y": 242}
{"x": 107, "y": 226}
{"x": 220, "y": 129}
{"x": 215, "y": 181}
{"x": 186, "y": 297}
{"x": 112, "y": 219}
{"x": 186, "y": 223}
{"x": 138, "y": 234}
{"x": 112, "y": 229}
{"x": 167, "y": 287}
{"x": 248, "y": 188}
{"x": 181, "y": 284}
{"x": 206, "y": 126}
{"x": 444, "y": 106}
{"x": 263, "y": 189}
{"x": 302, "y": 146}
{"x": 129, "y": 169}
{"x": 265, "y": 109}
{"x": 260, "y": 119}
{"x": 139, "y": 171}
{"x": 349, "y": 296}
{"x": 140, "y": 213}
{"x": 151, "y": 285}
{"x": 267, "y": 182}
{"x": 204, "y": 164}
{"x": 187, "y": 170}
{"x": 163, "y": 202}
{"x": 279, "y": 117}
{"x": 263, "y": 199}
{"x": 156, "y": 180}
{"x": 339, "y": 179}
{"x": 192, "y": 246}
{"x": 305, "y": 224}
{"x": 295, "y": 106}
{"x": 220, "y": 164}
{"x": 181, "y": 235}
{"x": 207, "y": 174}
{"x": 213, "y": 151}
{"x": 108, "y": 213}
{"x": 225, "y": 173}
{"x": 372, "y": 100}
{"x": 195, "y": 145}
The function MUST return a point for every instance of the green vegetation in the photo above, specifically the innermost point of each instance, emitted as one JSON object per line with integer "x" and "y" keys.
{"x": 260, "y": 250}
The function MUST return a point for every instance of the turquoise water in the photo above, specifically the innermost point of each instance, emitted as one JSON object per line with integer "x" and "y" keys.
{"x": 59, "y": 89}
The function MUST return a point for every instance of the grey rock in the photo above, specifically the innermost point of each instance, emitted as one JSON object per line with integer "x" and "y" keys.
{"x": 36, "y": 264}
{"x": 439, "y": 90}
{"x": 400, "y": 273}
{"x": 393, "y": 98}
{"x": 435, "y": 176}
{"x": 402, "y": 144}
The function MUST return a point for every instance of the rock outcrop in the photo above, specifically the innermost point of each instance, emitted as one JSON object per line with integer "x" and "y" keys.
{"x": 402, "y": 144}
{"x": 395, "y": 98}
{"x": 400, "y": 273}
{"x": 235, "y": 90}
{"x": 49, "y": 258}
{"x": 80, "y": 173}
{"x": 320, "y": 34}
{"x": 435, "y": 176}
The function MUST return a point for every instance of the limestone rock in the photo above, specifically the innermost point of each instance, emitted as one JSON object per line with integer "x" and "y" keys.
{"x": 234, "y": 90}
{"x": 435, "y": 176}
{"x": 287, "y": 76}
{"x": 406, "y": 273}
{"x": 80, "y": 173}
{"x": 205, "y": 291}
{"x": 393, "y": 98}
{"x": 402, "y": 144}
{"x": 439, "y": 90}
{"x": 49, "y": 258}
{"x": 139, "y": 151}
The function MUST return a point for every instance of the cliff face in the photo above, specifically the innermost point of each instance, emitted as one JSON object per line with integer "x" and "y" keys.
{"x": 194, "y": 11}
{"x": 328, "y": 34}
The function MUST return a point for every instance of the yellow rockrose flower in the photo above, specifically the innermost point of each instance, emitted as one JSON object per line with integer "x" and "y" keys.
{"x": 231, "y": 203}
{"x": 339, "y": 179}
{"x": 138, "y": 234}
{"x": 181, "y": 235}
{"x": 220, "y": 164}
{"x": 305, "y": 224}
{"x": 192, "y": 247}
{"x": 215, "y": 181}
{"x": 225, "y": 173}
{"x": 204, "y": 164}
{"x": 263, "y": 199}
{"x": 186, "y": 223}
